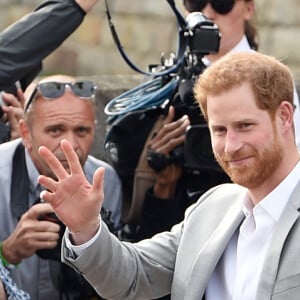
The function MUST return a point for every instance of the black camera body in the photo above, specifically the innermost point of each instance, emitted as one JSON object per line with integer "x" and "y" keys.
{"x": 73, "y": 284}
{"x": 203, "y": 35}
{"x": 55, "y": 253}
{"x": 198, "y": 154}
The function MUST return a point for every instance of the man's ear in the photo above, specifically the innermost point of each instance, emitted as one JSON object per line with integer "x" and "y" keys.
{"x": 25, "y": 134}
{"x": 286, "y": 114}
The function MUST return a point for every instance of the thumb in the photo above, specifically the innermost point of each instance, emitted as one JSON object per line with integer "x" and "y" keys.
{"x": 39, "y": 209}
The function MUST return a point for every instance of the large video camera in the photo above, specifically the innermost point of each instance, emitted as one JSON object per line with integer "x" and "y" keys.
{"x": 203, "y": 38}
{"x": 198, "y": 159}
{"x": 132, "y": 115}
{"x": 196, "y": 156}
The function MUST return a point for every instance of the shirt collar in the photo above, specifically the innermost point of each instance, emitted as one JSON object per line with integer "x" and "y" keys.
{"x": 243, "y": 45}
{"x": 32, "y": 172}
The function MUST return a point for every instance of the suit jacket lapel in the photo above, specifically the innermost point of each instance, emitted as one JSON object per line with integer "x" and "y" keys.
{"x": 211, "y": 252}
{"x": 271, "y": 265}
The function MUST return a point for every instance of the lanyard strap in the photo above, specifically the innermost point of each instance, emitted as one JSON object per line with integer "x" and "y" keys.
{"x": 183, "y": 42}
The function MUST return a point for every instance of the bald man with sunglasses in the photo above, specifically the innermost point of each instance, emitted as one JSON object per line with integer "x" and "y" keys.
{"x": 59, "y": 108}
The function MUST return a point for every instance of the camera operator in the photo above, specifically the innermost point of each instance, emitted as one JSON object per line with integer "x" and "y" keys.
{"x": 175, "y": 187}
{"x": 59, "y": 107}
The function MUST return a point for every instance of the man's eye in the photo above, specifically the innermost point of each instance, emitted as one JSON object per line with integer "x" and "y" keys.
{"x": 82, "y": 131}
{"x": 54, "y": 131}
{"x": 245, "y": 126}
{"x": 219, "y": 130}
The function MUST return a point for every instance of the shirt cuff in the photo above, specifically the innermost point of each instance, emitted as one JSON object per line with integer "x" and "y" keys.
{"x": 79, "y": 249}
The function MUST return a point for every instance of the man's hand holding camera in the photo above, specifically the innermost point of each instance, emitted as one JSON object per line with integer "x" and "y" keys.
{"x": 31, "y": 234}
{"x": 75, "y": 201}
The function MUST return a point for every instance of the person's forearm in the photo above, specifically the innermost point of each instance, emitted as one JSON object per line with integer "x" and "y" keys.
{"x": 164, "y": 191}
{"x": 24, "y": 44}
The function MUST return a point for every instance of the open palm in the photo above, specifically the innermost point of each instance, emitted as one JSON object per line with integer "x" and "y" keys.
{"x": 75, "y": 201}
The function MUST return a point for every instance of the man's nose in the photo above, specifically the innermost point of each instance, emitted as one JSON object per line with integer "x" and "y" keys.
{"x": 72, "y": 138}
{"x": 232, "y": 142}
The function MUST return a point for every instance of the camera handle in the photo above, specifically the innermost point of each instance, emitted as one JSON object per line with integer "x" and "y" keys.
{"x": 182, "y": 43}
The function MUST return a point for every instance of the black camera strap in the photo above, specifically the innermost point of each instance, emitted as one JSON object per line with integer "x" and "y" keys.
{"x": 182, "y": 43}
{"x": 19, "y": 189}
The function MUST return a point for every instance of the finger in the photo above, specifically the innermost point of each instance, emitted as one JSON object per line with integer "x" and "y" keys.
{"x": 47, "y": 182}
{"x": 179, "y": 124}
{"x": 41, "y": 241}
{"x": 48, "y": 226}
{"x": 171, "y": 115}
{"x": 39, "y": 209}
{"x": 98, "y": 181}
{"x": 72, "y": 157}
{"x": 168, "y": 119}
{"x": 16, "y": 111}
{"x": 171, "y": 131}
{"x": 11, "y": 99}
{"x": 170, "y": 145}
{"x": 53, "y": 162}
{"x": 21, "y": 97}
{"x": 47, "y": 244}
{"x": 13, "y": 113}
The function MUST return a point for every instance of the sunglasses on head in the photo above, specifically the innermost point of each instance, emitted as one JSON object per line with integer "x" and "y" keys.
{"x": 222, "y": 7}
{"x": 52, "y": 90}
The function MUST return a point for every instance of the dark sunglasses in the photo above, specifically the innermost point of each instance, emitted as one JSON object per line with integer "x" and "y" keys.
{"x": 222, "y": 7}
{"x": 52, "y": 90}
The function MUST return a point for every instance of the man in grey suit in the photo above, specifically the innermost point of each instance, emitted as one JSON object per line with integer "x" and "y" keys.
{"x": 239, "y": 241}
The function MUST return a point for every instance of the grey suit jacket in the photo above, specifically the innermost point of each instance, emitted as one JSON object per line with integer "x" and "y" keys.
{"x": 182, "y": 261}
